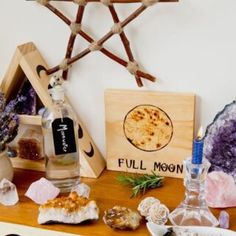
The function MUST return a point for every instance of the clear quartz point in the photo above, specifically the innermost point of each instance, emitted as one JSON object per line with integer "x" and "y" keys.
{"x": 8, "y": 193}
{"x": 193, "y": 210}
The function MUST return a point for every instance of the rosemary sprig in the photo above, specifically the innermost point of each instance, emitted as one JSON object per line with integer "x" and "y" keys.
{"x": 141, "y": 183}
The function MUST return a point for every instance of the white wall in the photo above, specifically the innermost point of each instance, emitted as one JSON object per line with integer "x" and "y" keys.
{"x": 190, "y": 46}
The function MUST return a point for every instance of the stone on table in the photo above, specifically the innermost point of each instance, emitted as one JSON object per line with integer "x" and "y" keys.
{"x": 41, "y": 191}
{"x": 220, "y": 190}
{"x": 224, "y": 220}
{"x": 8, "y": 193}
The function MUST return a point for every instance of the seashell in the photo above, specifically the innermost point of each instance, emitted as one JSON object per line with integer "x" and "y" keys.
{"x": 158, "y": 214}
{"x": 145, "y": 205}
{"x": 122, "y": 218}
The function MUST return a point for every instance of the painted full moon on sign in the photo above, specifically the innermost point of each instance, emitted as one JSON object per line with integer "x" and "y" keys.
{"x": 148, "y": 128}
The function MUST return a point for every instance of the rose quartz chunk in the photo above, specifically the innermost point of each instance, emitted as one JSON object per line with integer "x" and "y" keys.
{"x": 41, "y": 191}
{"x": 220, "y": 190}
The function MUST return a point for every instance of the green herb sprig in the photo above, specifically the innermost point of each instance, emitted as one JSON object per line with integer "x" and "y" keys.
{"x": 141, "y": 183}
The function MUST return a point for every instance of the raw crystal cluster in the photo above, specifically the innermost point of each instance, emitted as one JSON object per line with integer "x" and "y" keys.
{"x": 122, "y": 218}
{"x": 153, "y": 210}
{"x": 8, "y": 193}
{"x": 9, "y": 123}
{"x": 220, "y": 141}
{"x": 25, "y": 100}
{"x": 224, "y": 220}
{"x": 220, "y": 190}
{"x": 41, "y": 191}
{"x": 69, "y": 210}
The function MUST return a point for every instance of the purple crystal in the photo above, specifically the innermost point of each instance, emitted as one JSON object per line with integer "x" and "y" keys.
{"x": 9, "y": 123}
{"x": 25, "y": 100}
{"x": 224, "y": 220}
{"x": 220, "y": 141}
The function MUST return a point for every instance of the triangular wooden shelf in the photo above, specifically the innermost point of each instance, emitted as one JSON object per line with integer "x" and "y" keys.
{"x": 27, "y": 61}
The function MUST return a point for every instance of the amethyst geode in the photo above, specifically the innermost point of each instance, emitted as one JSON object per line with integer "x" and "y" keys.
{"x": 25, "y": 100}
{"x": 220, "y": 141}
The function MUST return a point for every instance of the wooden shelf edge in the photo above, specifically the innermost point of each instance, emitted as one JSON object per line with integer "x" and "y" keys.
{"x": 27, "y": 164}
{"x": 30, "y": 120}
{"x": 39, "y": 165}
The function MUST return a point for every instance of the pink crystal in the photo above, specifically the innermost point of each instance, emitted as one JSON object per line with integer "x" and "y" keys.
{"x": 41, "y": 191}
{"x": 220, "y": 190}
{"x": 224, "y": 220}
{"x": 8, "y": 193}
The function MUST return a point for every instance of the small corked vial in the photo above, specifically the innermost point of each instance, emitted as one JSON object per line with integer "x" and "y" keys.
{"x": 30, "y": 145}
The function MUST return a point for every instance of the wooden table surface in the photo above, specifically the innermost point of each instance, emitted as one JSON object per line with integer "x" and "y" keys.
{"x": 107, "y": 193}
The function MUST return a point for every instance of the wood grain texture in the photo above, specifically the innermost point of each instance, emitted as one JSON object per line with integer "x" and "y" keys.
{"x": 30, "y": 120}
{"x": 180, "y": 109}
{"x": 14, "y": 75}
{"x": 24, "y": 63}
{"x": 107, "y": 193}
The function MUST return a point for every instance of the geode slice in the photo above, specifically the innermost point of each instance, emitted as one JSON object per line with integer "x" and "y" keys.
{"x": 220, "y": 141}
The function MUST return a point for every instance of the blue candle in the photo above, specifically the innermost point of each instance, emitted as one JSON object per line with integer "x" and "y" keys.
{"x": 198, "y": 149}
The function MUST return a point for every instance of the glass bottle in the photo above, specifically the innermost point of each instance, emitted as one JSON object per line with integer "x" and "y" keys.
{"x": 61, "y": 142}
{"x": 193, "y": 210}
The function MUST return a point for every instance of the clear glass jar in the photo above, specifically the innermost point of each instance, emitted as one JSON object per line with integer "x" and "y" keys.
{"x": 61, "y": 143}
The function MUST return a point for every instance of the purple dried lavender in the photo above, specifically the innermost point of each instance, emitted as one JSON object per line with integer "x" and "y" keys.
{"x": 9, "y": 123}
{"x": 220, "y": 141}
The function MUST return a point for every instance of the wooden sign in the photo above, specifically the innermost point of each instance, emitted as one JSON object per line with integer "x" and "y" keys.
{"x": 28, "y": 62}
{"x": 148, "y": 131}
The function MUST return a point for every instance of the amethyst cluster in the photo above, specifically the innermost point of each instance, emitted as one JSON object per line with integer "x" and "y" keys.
{"x": 9, "y": 123}
{"x": 25, "y": 101}
{"x": 220, "y": 141}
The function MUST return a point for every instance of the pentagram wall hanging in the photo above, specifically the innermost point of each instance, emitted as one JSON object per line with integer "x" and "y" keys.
{"x": 97, "y": 45}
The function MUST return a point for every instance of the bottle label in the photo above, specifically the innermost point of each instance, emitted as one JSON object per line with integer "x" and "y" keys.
{"x": 63, "y": 136}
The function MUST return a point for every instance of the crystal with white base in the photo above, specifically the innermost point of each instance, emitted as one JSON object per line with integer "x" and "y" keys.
{"x": 193, "y": 210}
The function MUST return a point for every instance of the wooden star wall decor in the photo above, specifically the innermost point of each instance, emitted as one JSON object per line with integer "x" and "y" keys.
{"x": 94, "y": 45}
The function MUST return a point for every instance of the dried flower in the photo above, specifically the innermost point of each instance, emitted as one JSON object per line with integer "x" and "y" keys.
{"x": 9, "y": 122}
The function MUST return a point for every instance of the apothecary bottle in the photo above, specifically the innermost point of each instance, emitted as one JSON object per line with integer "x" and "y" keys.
{"x": 61, "y": 142}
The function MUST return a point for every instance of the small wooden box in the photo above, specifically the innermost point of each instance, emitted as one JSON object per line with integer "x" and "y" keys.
{"x": 148, "y": 131}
